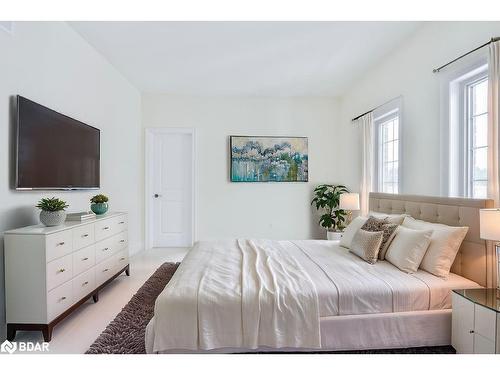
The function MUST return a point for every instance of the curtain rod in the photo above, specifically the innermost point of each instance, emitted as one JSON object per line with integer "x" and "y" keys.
{"x": 492, "y": 40}
{"x": 371, "y": 110}
{"x": 361, "y": 115}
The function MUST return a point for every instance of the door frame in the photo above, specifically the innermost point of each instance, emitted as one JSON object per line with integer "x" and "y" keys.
{"x": 150, "y": 134}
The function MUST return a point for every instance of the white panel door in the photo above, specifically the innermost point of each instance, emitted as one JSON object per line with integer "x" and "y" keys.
{"x": 171, "y": 194}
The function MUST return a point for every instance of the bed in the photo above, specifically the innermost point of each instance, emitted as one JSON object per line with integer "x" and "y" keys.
{"x": 262, "y": 295}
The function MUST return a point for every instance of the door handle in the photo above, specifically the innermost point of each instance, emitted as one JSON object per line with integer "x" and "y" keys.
{"x": 157, "y": 195}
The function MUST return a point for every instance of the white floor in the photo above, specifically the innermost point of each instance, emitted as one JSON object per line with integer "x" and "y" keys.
{"x": 79, "y": 330}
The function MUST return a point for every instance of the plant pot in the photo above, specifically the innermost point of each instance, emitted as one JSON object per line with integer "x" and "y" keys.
{"x": 52, "y": 218}
{"x": 99, "y": 208}
{"x": 334, "y": 236}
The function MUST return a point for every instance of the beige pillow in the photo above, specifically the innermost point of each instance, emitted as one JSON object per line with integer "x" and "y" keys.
{"x": 366, "y": 245}
{"x": 391, "y": 218}
{"x": 351, "y": 230}
{"x": 444, "y": 246}
{"x": 408, "y": 248}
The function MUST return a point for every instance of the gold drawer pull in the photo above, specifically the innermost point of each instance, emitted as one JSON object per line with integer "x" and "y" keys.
{"x": 105, "y": 228}
{"x": 106, "y": 270}
{"x": 63, "y": 298}
{"x": 85, "y": 235}
{"x": 62, "y": 270}
{"x": 122, "y": 241}
{"x": 121, "y": 222}
{"x": 61, "y": 243}
{"x": 85, "y": 258}
{"x": 85, "y": 283}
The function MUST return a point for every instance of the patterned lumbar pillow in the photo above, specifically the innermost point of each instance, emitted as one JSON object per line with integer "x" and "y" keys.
{"x": 381, "y": 224}
{"x": 374, "y": 224}
{"x": 389, "y": 234}
{"x": 366, "y": 245}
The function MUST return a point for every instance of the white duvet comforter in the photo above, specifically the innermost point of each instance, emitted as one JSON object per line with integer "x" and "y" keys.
{"x": 263, "y": 293}
{"x": 241, "y": 293}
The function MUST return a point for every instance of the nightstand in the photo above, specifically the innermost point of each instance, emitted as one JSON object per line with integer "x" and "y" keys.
{"x": 475, "y": 319}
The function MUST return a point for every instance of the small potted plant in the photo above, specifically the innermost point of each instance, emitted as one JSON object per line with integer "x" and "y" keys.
{"x": 53, "y": 213}
{"x": 327, "y": 198}
{"x": 99, "y": 204}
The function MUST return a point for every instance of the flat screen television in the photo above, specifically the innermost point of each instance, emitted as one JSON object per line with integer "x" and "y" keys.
{"x": 54, "y": 151}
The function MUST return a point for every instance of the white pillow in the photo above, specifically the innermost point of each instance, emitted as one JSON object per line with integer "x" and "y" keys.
{"x": 408, "y": 248}
{"x": 351, "y": 230}
{"x": 445, "y": 242}
{"x": 391, "y": 218}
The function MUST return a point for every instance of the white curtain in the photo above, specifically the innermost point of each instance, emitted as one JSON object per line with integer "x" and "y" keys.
{"x": 365, "y": 123}
{"x": 493, "y": 121}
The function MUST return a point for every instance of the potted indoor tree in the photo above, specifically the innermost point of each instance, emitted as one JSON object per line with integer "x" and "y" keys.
{"x": 327, "y": 198}
{"x": 52, "y": 213}
{"x": 99, "y": 204}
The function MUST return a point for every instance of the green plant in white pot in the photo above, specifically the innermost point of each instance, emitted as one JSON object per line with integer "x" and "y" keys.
{"x": 53, "y": 211}
{"x": 327, "y": 199}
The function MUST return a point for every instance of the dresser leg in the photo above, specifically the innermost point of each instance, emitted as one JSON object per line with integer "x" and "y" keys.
{"x": 95, "y": 297}
{"x": 47, "y": 333}
{"x": 127, "y": 271}
{"x": 11, "y": 332}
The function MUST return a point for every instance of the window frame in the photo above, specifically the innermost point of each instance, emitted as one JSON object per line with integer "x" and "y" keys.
{"x": 466, "y": 130}
{"x": 452, "y": 138}
{"x": 381, "y": 116}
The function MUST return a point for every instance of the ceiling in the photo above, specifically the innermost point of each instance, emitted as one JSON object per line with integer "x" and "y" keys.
{"x": 244, "y": 58}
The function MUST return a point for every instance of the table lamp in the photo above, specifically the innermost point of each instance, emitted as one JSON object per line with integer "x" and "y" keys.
{"x": 349, "y": 202}
{"x": 489, "y": 221}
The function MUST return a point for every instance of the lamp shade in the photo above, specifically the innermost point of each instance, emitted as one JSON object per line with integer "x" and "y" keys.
{"x": 489, "y": 220}
{"x": 349, "y": 201}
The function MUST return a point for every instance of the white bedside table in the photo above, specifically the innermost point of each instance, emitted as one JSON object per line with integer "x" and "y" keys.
{"x": 475, "y": 324}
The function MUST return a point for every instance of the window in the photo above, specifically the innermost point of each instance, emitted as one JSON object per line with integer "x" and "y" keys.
{"x": 476, "y": 130}
{"x": 464, "y": 170}
{"x": 387, "y": 150}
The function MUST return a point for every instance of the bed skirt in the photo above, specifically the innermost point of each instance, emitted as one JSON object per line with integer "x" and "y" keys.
{"x": 361, "y": 332}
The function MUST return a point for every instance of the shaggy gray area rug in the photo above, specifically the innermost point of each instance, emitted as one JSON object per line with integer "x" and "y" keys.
{"x": 126, "y": 333}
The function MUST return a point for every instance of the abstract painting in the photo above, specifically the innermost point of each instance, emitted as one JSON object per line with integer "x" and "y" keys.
{"x": 269, "y": 159}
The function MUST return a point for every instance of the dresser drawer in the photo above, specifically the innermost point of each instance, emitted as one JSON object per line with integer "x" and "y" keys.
{"x": 104, "y": 249}
{"x": 83, "y": 236}
{"x": 105, "y": 228}
{"x": 121, "y": 240}
{"x": 58, "y": 245}
{"x": 83, "y": 260}
{"x": 59, "y": 271}
{"x": 121, "y": 223}
{"x": 121, "y": 260}
{"x": 104, "y": 271}
{"x": 83, "y": 284}
{"x": 59, "y": 300}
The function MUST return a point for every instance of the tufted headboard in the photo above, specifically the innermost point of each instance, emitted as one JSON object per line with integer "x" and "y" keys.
{"x": 475, "y": 259}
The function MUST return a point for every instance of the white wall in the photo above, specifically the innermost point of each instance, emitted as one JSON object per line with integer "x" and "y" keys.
{"x": 51, "y": 64}
{"x": 266, "y": 210}
{"x": 408, "y": 72}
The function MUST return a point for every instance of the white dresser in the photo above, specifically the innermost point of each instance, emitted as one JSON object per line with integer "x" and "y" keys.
{"x": 476, "y": 321}
{"x": 50, "y": 271}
